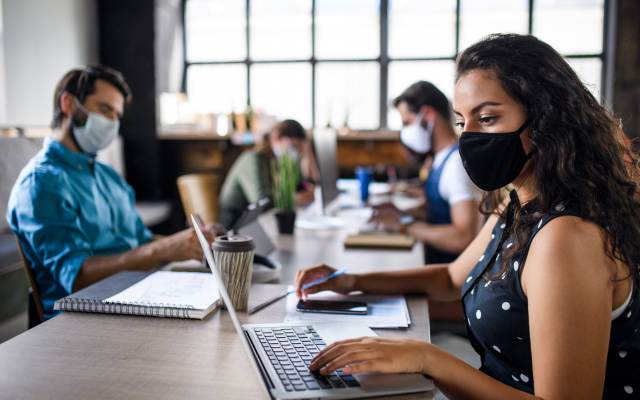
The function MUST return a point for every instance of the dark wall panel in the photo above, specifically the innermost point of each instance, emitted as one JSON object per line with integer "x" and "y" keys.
{"x": 626, "y": 92}
{"x": 127, "y": 45}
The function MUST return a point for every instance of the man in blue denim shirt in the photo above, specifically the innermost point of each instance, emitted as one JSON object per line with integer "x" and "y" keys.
{"x": 73, "y": 216}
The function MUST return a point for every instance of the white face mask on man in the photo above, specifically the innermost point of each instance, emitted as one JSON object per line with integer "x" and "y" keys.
{"x": 417, "y": 138}
{"x": 97, "y": 133}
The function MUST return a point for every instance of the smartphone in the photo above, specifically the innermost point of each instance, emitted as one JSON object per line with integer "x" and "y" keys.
{"x": 332, "y": 307}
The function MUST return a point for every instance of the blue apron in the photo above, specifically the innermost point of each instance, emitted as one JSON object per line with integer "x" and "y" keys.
{"x": 437, "y": 211}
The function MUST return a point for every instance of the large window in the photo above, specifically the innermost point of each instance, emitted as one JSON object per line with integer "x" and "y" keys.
{"x": 331, "y": 62}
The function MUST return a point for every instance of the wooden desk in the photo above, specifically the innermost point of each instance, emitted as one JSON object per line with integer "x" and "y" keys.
{"x": 93, "y": 356}
{"x": 307, "y": 248}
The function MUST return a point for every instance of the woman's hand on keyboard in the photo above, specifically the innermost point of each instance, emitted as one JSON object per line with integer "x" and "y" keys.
{"x": 382, "y": 354}
{"x": 341, "y": 284}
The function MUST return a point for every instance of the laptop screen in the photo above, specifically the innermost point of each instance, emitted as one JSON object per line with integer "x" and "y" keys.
{"x": 251, "y": 213}
{"x": 325, "y": 142}
{"x": 264, "y": 246}
{"x": 225, "y": 295}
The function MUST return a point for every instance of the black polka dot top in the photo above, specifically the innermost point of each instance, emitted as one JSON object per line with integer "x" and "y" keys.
{"x": 498, "y": 322}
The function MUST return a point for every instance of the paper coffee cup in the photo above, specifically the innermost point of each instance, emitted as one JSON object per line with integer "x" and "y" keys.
{"x": 233, "y": 255}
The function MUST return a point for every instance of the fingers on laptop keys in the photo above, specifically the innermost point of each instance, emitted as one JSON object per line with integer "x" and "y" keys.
{"x": 291, "y": 350}
{"x": 340, "y": 354}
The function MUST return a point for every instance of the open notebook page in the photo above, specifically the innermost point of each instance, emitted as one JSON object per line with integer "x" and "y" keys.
{"x": 180, "y": 288}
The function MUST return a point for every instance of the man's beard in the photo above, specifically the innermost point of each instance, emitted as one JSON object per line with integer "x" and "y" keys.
{"x": 72, "y": 124}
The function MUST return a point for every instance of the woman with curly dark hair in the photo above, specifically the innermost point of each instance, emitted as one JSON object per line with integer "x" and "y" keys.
{"x": 549, "y": 286}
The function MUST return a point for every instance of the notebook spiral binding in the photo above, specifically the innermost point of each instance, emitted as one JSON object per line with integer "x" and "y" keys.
{"x": 146, "y": 309}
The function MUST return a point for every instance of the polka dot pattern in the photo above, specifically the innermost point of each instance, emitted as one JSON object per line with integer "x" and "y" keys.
{"x": 500, "y": 328}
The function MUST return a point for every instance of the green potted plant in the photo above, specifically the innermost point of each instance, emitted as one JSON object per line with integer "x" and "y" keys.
{"x": 285, "y": 174}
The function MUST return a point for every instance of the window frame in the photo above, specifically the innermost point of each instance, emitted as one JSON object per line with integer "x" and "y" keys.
{"x": 606, "y": 56}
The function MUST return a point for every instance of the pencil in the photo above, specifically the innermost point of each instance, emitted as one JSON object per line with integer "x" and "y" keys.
{"x": 269, "y": 302}
{"x": 305, "y": 286}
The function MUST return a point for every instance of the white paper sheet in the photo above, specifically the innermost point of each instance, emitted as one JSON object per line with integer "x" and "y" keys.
{"x": 181, "y": 288}
{"x": 384, "y": 311}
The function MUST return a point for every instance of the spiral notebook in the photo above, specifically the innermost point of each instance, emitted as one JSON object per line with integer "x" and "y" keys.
{"x": 154, "y": 294}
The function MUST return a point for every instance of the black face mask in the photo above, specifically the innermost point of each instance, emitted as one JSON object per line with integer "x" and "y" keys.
{"x": 493, "y": 160}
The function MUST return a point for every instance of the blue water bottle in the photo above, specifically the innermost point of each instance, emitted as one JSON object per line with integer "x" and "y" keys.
{"x": 363, "y": 174}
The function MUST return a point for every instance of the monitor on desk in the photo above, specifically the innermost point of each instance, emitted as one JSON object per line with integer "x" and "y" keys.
{"x": 325, "y": 142}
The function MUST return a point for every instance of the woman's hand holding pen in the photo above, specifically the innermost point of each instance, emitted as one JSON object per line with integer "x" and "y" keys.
{"x": 344, "y": 283}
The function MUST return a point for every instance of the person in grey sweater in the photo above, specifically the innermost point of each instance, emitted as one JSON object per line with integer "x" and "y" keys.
{"x": 249, "y": 179}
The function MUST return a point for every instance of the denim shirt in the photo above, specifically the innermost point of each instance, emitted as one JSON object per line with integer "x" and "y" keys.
{"x": 66, "y": 207}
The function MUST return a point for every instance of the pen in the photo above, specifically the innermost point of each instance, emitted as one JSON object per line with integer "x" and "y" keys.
{"x": 201, "y": 222}
{"x": 305, "y": 286}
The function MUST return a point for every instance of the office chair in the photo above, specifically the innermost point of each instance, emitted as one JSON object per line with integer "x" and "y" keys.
{"x": 199, "y": 195}
{"x": 36, "y": 311}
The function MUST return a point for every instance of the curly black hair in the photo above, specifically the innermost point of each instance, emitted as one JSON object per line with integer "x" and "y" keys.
{"x": 582, "y": 160}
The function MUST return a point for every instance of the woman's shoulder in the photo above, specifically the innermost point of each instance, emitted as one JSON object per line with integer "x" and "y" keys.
{"x": 566, "y": 231}
{"x": 570, "y": 244}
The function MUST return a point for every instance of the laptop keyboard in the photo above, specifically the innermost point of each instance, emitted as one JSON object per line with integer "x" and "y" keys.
{"x": 290, "y": 351}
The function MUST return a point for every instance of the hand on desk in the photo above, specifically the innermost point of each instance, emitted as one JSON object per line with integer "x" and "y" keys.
{"x": 340, "y": 284}
{"x": 182, "y": 246}
{"x": 388, "y": 355}
{"x": 217, "y": 229}
{"x": 388, "y": 216}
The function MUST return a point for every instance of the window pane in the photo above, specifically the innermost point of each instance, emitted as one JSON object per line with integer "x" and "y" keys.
{"x": 217, "y": 88}
{"x": 348, "y": 91}
{"x": 280, "y": 30}
{"x": 216, "y": 30}
{"x": 347, "y": 29}
{"x": 570, "y": 26}
{"x": 422, "y": 28}
{"x": 403, "y": 74}
{"x": 590, "y": 72}
{"x": 479, "y": 18}
{"x": 283, "y": 90}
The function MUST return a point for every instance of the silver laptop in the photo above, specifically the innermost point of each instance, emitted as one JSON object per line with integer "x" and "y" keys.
{"x": 281, "y": 353}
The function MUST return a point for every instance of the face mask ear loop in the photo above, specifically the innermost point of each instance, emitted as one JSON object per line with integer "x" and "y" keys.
{"x": 418, "y": 119}
{"x": 519, "y": 132}
{"x": 79, "y": 105}
{"x": 430, "y": 126}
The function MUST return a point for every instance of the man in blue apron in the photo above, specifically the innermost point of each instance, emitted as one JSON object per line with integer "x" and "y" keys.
{"x": 452, "y": 217}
